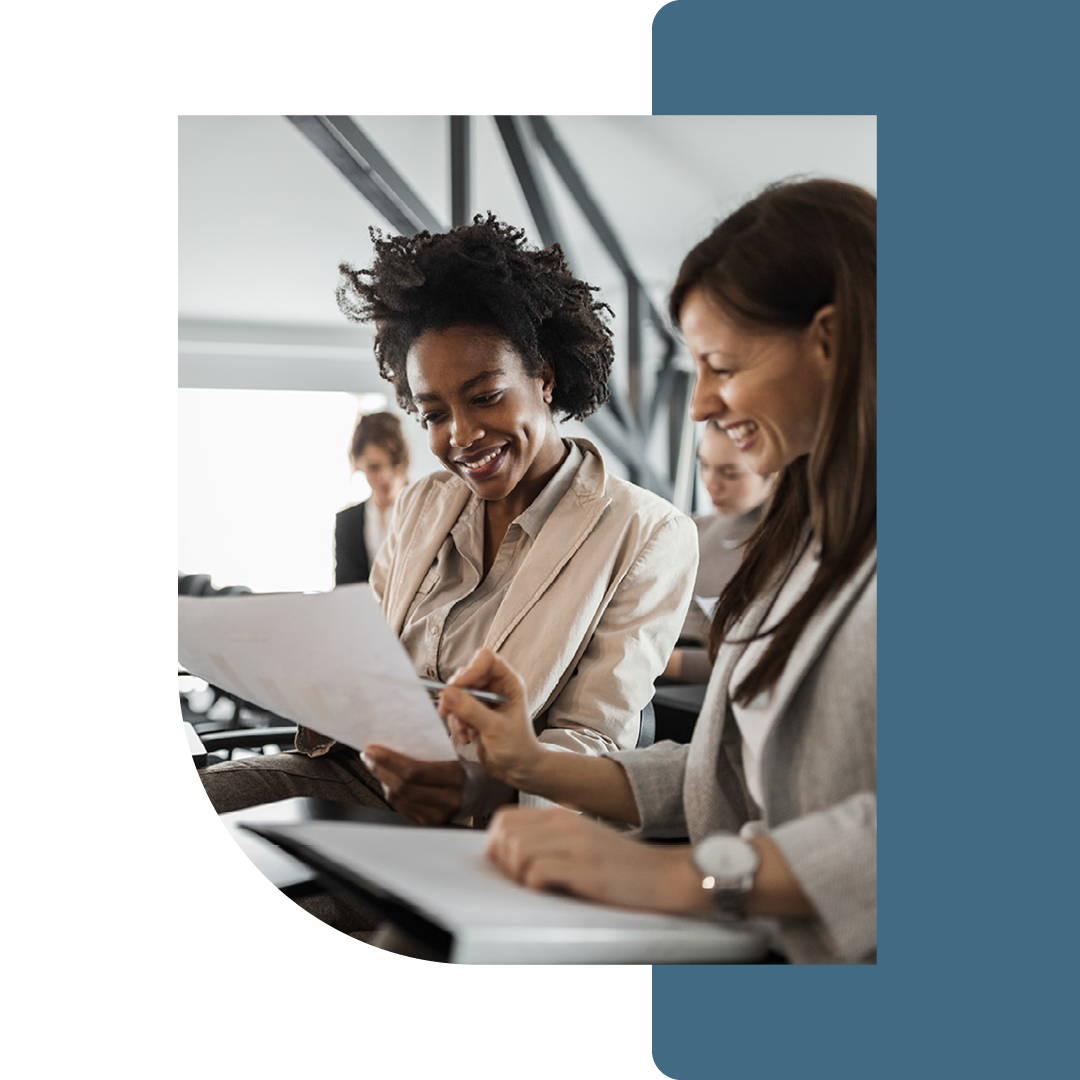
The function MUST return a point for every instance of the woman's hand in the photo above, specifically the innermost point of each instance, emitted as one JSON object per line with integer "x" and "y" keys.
{"x": 427, "y": 792}
{"x": 555, "y": 849}
{"x": 503, "y": 735}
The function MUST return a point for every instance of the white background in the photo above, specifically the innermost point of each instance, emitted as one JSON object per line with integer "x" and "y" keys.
{"x": 137, "y": 942}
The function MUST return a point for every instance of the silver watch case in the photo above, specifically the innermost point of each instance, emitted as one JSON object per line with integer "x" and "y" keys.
{"x": 727, "y": 865}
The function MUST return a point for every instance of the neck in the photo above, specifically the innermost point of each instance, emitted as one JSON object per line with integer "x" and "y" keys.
{"x": 545, "y": 465}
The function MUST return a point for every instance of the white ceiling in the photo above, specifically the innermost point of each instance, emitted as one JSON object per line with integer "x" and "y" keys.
{"x": 264, "y": 218}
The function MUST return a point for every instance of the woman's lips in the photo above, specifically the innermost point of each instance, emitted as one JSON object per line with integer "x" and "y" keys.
{"x": 483, "y": 465}
{"x": 742, "y": 435}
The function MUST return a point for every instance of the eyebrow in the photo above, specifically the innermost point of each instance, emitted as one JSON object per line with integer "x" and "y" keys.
{"x": 467, "y": 385}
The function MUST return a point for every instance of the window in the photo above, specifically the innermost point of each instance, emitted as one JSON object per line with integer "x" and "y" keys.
{"x": 262, "y": 473}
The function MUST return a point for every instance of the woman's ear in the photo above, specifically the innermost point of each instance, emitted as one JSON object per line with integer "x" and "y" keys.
{"x": 547, "y": 382}
{"x": 821, "y": 334}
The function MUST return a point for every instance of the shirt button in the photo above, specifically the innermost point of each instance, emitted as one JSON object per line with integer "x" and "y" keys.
{"x": 434, "y": 631}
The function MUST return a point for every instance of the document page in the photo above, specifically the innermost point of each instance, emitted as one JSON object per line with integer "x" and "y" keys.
{"x": 327, "y": 660}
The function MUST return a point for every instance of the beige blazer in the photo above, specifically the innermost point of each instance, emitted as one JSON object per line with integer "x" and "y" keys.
{"x": 818, "y": 767}
{"x": 592, "y": 615}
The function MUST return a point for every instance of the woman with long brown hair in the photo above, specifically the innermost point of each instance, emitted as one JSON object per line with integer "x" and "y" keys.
{"x": 777, "y": 791}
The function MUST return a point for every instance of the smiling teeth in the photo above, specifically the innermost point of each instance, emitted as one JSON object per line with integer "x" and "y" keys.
{"x": 474, "y": 465}
{"x": 738, "y": 432}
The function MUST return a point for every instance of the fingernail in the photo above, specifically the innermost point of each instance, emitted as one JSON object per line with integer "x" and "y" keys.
{"x": 366, "y": 760}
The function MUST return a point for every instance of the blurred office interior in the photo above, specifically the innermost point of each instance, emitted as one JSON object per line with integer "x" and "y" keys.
{"x": 271, "y": 375}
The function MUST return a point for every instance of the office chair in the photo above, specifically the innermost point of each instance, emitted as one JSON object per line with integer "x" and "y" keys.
{"x": 677, "y": 706}
{"x": 200, "y": 585}
{"x": 647, "y": 734}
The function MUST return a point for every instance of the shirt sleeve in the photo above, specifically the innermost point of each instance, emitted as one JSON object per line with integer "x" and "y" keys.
{"x": 833, "y": 854}
{"x": 599, "y": 708}
{"x": 657, "y": 776}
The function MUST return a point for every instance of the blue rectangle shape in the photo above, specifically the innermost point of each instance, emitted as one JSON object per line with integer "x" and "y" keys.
{"x": 977, "y": 130}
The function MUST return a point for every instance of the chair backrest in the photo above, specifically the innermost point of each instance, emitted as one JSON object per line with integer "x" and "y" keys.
{"x": 647, "y": 734}
{"x": 199, "y": 585}
{"x": 193, "y": 584}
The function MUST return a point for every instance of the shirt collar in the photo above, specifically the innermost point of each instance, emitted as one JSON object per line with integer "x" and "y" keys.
{"x": 532, "y": 520}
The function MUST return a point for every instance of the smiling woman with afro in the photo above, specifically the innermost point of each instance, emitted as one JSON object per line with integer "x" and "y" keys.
{"x": 525, "y": 544}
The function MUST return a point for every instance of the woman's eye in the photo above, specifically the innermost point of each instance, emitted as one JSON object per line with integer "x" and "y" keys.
{"x": 430, "y": 418}
{"x": 488, "y": 399}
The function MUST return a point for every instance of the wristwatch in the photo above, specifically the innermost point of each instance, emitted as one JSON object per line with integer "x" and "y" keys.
{"x": 727, "y": 866}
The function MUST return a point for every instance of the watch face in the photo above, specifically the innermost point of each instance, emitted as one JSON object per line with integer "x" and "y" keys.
{"x": 725, "y": 857}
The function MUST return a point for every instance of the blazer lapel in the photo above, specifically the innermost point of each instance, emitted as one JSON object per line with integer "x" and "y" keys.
{"x": 701, "y": 794}
{"x": 818, "y": 631}
{"x": 434, "y": 519}
{"x": 560, "y": 537}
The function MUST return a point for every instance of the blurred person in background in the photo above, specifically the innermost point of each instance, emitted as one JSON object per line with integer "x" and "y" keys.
{"x": 737, "y": 495}
{"x": 380, "y": 452}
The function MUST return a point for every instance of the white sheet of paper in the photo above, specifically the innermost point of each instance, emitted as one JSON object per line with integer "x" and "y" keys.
{"x": 444, "y": 874}
{"x": 325, "y": 660}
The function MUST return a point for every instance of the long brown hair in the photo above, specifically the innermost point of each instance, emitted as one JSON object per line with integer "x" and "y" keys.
{"x": 775, "y": 262}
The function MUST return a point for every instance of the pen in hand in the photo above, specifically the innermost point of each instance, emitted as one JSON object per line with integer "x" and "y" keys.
{"x": 483, "y": 695}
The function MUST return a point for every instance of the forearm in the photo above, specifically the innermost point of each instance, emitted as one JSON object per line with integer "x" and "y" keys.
{"x": 776, "y": 890}
{"x": 594, "y": 785}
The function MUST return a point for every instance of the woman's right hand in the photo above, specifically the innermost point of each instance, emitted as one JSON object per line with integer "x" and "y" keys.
{"x": 503, "y": 735}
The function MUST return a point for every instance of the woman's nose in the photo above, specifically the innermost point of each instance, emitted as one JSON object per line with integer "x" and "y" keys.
{"x": 704, "y": 403}
{"x": 463, "y": 432}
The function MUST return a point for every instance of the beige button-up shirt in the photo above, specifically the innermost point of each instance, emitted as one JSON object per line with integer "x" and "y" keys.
{"x": 451, "y": 614}
{"x": 589, "y": 615}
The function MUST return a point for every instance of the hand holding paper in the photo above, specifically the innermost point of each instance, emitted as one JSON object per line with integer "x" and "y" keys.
{"x": 427, "y": 792}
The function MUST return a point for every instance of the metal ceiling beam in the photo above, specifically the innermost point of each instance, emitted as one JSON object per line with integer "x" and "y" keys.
{"x": 663, "y": 380}
{"x": 575, "y": 184}
{"x": 629, "y": 448}
{"x": 358, "y": 159}
{"x": 634, "y": 296}
{"x": 639, "y": 305}
{"x": 526, "y": 168}
{"x": 460, "y": 170}
{"x": 682, "y": 435}
{"x": 532, "y": 183}
{"x": 672, "y": 385}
